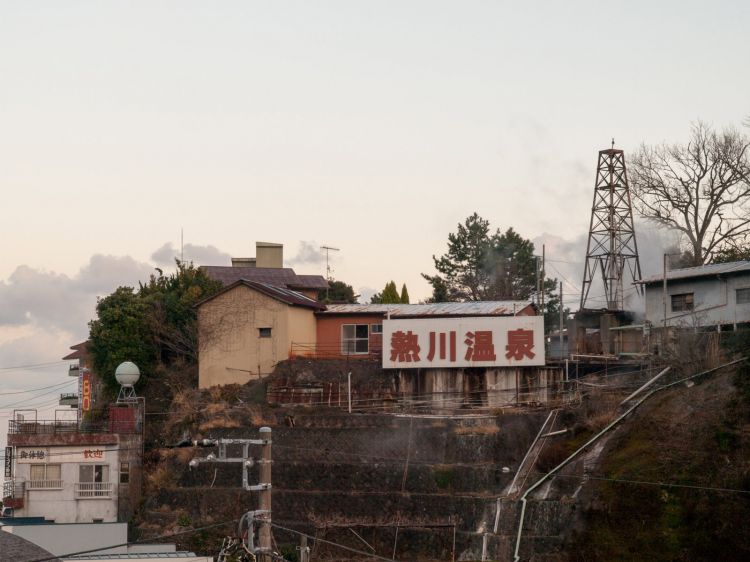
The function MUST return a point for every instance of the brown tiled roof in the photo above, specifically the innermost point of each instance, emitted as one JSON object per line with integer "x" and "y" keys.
{"x": 78, "y": 353}
{"x": 279, "y": 276}
{"x": 282, "y": 294}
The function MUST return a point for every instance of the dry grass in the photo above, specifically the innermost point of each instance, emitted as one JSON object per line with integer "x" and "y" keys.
{"x": 485, "y": 429}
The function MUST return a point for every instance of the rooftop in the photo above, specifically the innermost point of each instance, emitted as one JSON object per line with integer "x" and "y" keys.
{"x": 287, "y": 296}
{"x": 279, "y": 276}
{"x": 700, "y": 271}
{"x": 14, "y": 549}
{"x": 481, "y": 308}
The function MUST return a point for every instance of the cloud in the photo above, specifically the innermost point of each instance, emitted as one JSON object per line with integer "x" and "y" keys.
{"x": 199, "y": 255}
{"x": 308, "y": 253}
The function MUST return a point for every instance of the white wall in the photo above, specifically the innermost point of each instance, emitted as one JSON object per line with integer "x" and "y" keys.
{"x": 62, "y": 505}
{"x": 714, "y": 301}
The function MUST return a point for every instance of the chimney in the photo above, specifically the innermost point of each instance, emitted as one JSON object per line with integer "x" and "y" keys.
{"x": 268, "y": 254}
{"x": 243, "y": 262}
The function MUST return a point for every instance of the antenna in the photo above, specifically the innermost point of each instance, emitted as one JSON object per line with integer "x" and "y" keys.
{"x": 328, "y": 266}
{"x": 182, "y": 245}
{"x": 328, "y": 249}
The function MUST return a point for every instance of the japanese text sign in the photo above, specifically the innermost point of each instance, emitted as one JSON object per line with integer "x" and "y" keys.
{"x": 504, "y": 341}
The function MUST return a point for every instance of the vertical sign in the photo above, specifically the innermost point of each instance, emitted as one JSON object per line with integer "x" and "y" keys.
{"x": 9, "y": 462}
{"x": 85, "y": 396}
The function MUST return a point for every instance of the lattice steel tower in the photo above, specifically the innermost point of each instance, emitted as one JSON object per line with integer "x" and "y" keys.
{"x": 611, "y": 246}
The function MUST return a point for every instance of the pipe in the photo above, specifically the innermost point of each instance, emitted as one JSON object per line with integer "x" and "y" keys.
{"x": 645, "y": 386}
{"x": 617, "y": 420}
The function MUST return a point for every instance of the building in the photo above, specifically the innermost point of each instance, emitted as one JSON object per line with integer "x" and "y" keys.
{"x": 101, "y": 541}
{"x": 247, "y": 328}
{"x": 77, "y": 470}
{"x": 716, "y": 295}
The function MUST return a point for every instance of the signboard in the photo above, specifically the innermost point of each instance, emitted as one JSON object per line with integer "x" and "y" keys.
{"x": 8, "y": 462}
{"x": 85, "y": 390}
{"x": 506, "y": 341}
{"x": 32, "y": 455}
{"x": 82, "y": 454}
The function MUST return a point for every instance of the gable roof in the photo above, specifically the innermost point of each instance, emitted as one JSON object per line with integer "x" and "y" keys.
{"x": 79, "y": 351}
{"x": 474, "y": 308}
{"x": 278, "y": 276}
{"x": 700, "y": 271}
{"x": 281, "y": 294}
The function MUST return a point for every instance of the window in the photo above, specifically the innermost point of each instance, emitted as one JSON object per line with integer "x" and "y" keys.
{"x": 93, "y": 473}
{"x": 264, "y": 332}
{"x": 377, "y": 328}
{"x": 93, "y": 481}
{"x": 44, "y": 477}
{"x": 682, "y": 303}
{"x": 124, "y": 472}
{"x": 355, "y": 338}
{"x": 743, "y": 296}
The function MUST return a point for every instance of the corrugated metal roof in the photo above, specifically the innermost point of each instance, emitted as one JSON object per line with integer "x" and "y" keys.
{"x": 480, "y": 308}
{"x": 279, "y": 276}
{"x": 700, "y": 271}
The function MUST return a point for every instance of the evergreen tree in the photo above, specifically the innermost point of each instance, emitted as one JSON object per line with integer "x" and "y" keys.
{"x": 404, "y": 294}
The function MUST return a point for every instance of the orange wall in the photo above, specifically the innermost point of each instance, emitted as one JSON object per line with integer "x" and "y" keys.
{"x": 329, "y": 331}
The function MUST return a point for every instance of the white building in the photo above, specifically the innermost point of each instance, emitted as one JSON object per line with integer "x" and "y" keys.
{"x": 710, "y": 295}
{"x": 74, "y": 472}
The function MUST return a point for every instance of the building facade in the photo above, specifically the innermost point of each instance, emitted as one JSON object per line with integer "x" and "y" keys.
{"x": 716, "y": 295}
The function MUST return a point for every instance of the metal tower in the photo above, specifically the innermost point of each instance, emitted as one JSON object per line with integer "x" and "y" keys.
{"x": 611, "y": 245}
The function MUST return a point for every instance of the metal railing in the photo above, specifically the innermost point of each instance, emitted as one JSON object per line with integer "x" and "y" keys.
{"x": 52, "y": 427}
{"x": 44, "y": 484}
{"x": 94, "y": 489}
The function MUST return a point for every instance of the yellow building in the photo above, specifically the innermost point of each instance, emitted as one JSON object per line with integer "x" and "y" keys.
{"x": 248, "y": 327}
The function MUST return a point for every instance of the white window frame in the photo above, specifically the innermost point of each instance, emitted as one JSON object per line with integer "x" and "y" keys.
{"x": 379, "y": 331}
{"x": 349, "y": 344}
{"x": 45, "y": 483}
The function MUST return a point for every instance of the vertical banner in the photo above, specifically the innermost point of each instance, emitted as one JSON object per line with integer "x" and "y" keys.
{"x": 8, "y": 462}
{"x": 85, "y": 395}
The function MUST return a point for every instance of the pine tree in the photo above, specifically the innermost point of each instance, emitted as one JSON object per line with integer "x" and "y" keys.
{"x": 404, "y": 295}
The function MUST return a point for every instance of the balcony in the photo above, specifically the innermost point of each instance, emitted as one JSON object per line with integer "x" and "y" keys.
{"x": 73, "y": 370}
{"x": 96, "y": 490}
{"x": 44, "y": 484}
{"x": 69, "y": 399}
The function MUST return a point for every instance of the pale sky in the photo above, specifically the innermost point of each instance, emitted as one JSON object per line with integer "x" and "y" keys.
{"x": 374, "y": 127}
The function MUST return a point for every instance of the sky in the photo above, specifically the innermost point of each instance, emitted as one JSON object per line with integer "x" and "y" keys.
{"x": 374, "y": 127}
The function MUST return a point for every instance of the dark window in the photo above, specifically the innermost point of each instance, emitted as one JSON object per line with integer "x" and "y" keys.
{"x": 377, "y": 328}
{"x": 264, "y": 332}
{"x": 355, "y": 338}
{"x": 124, "y": 472}
{"x": 682, "y": 303}
{"x": 743, "y": 296}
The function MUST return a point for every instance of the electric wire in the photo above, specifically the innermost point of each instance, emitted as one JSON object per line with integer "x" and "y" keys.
{"x": 159, "y": 537}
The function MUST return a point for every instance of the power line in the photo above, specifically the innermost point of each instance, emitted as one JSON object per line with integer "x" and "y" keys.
{"x": 159, "y": 537}
{"x": 35, "y": 389}
{"x": 649, "y": 483}
{"x": 33, "y": 365}
{"x": 324, "y": 541}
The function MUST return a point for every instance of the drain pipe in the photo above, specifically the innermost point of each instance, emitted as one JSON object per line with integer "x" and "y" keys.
{"x": 516, "y": 556}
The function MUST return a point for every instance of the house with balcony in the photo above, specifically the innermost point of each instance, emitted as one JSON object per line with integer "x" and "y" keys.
{"x": 74, "y": 471}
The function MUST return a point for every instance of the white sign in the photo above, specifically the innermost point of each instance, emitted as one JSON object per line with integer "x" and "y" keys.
{"x": 499, "y": 341}
{"x": 88, "y": 453}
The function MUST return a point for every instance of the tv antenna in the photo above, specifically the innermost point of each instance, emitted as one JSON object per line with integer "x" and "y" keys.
{"x": 329, "y": 249}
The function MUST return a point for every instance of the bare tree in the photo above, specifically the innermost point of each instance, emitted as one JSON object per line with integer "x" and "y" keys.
{"x": 701, "y": 189}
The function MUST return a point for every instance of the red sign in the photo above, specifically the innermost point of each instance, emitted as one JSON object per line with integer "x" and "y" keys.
{"x": 85, "y": 391}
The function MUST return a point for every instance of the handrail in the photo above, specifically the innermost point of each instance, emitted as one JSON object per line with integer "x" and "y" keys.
{"x": 516, "y": 556}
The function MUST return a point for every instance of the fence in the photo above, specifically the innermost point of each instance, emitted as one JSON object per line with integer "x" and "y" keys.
{"x": 373, "y": 351}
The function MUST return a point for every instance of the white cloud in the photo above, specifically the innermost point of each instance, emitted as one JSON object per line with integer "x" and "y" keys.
{"x": 199, "y": 255}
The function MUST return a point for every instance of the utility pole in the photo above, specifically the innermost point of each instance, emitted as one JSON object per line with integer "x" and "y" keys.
{"x": 542, "y": 283}
{"x": 562, "y": 314}
{"x": 664, "y": 291}
{"x": 304, "y": 550}
{"x": 260, "y": 518}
